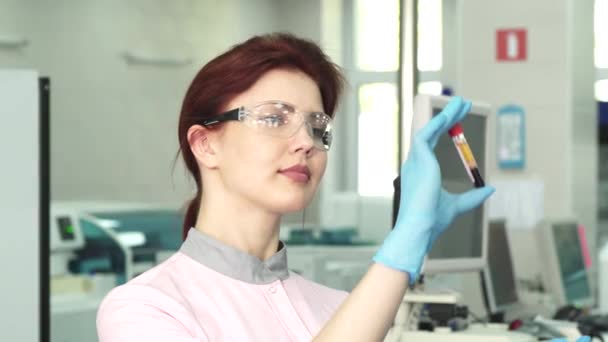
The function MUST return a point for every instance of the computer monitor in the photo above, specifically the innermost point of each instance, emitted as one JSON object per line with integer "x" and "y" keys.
{"x": 499, "y": 275}
{"x": 462, "y": 247}
{"x": 562, "y": 251}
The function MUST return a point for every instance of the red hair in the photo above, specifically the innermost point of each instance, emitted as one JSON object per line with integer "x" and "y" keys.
{"x": 235, "y": 71}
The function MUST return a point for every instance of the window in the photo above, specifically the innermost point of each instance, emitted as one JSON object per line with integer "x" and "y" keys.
{"x": 601, "y": 90}
{"x": 430, "y": 46}
{"x": 601, "y": 34}
{"x": 377, "y": 35}
{"x": 600, "y": 25}
{"x": 430, "y": 88}
{"x": 373, "y": 76}
{"x": 377, "y": 138}
{"x": 430, "y": 38}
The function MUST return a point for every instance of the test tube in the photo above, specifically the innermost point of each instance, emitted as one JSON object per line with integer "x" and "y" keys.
{"x": 466, "y": 155}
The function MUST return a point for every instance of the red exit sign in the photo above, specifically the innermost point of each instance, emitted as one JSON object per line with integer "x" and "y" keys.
{"x": 511, "y": 45}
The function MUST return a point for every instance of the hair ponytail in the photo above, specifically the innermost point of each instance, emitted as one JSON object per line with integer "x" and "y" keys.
{"x": 191, "y": 214}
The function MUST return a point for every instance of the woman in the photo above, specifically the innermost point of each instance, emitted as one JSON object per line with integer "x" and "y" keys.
{"x": 254, "y": 131}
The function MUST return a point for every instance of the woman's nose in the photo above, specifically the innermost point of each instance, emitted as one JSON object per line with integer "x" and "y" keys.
{"x": 302, "y": 139}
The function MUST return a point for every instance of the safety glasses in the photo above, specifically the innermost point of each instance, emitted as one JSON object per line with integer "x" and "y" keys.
{"x": 280, "y": 119}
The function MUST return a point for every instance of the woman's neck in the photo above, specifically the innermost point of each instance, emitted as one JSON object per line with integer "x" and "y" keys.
{"x": 240, "y": 225}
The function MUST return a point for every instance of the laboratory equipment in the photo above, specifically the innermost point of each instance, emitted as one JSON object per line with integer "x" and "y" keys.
{"x": 125, "y": 238}
{"x": 563, "y": 252}
{"x": 411, "y": 312}
{"x": 544, "y": 326}
{"x": 97, "y": 245}
{"x": 66, "y": 238}
{"x": 74, "y": 296}
{"x": 412, "y": 315}
{"x": 539, "y": 329}
{"x": 499, "y": 275}
{"x": 462, "y": 246}
{"x": 479, "y": 333}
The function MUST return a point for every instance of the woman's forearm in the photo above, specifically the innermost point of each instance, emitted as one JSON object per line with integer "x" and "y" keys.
{"x": 368, "y": 312}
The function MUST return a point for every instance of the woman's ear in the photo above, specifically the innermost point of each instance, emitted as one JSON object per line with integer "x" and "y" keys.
{"x": 201, "y": 141}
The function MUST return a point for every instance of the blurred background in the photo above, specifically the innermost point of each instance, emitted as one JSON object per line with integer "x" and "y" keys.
{"x": 103, "y": 84}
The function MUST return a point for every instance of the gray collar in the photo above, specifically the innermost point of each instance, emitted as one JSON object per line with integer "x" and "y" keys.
{"x": 234, "y": 263}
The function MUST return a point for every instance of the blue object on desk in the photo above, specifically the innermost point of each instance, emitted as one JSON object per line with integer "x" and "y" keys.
{"x": 338, "y": 236}
{"x": 301, "y": 236}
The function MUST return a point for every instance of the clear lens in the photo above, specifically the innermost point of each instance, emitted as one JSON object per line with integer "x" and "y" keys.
{"x": 321, "y": 132}
{"x": 274, "y": 118}
{"x": 281, "y": 119}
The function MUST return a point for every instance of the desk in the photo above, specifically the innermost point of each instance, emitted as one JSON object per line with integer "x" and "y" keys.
{"x": 73, "y": 318}
{"x": 475, "y": 333}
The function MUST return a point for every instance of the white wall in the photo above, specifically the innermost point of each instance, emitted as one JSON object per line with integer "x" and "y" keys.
{"x": 114, "y": 124}
{"x": 554, "y": 86}
{"x": 533, "y": 84}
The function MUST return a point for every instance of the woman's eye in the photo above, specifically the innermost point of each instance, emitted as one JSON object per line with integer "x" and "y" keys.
{"x": 272, "y": 120}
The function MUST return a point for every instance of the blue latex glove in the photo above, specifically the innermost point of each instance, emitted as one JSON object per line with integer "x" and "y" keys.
{"x": 425, "y": 209}
{"x": 580, "y": 339}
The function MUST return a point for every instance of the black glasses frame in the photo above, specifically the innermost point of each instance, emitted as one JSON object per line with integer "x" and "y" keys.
{"x": 231, "y": 115}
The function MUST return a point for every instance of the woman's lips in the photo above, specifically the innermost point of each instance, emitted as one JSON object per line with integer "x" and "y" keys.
{"x": 296, "y": 176}
{"x": 298, "y": 173}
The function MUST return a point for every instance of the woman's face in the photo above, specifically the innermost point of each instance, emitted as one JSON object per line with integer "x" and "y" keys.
{"x": 255, "y": 166}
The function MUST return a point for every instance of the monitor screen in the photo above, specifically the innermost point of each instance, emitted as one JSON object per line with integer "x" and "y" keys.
{"x": 500, "y": 265}
{"x": 463, "y": 239}
{"x": 571, "y": 262}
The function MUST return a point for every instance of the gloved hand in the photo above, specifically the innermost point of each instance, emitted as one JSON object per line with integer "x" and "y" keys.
{"x": 425, "y": 209}
{"x": 580, "y": 339}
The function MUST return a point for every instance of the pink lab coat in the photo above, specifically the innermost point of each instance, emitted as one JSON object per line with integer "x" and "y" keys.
{"x": 209, "y": 291}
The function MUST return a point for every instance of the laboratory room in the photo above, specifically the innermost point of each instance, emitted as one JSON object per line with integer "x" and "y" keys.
{"x": 289, "y": 170}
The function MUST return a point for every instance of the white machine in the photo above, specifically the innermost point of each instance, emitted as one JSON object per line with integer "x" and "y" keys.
{"x": 75, "y": 297}
{"x": 66, "y": 239}
{"x": 142, "y": 234}
{"x": 504, "y": 295}
{"x": 96, "y": 246}
{"x": 563, "y": 250}
{"x": 408, "y": 316}
{"x": 411, "y": 312}
{"x": 477, "y": 333}
{"x": 499, "y": 276}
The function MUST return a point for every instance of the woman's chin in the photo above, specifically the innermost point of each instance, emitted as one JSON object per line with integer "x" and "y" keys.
{"x": 293, "y": 209}
{"x": 291, "y": 205}
{"x": 289, "y": 200}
